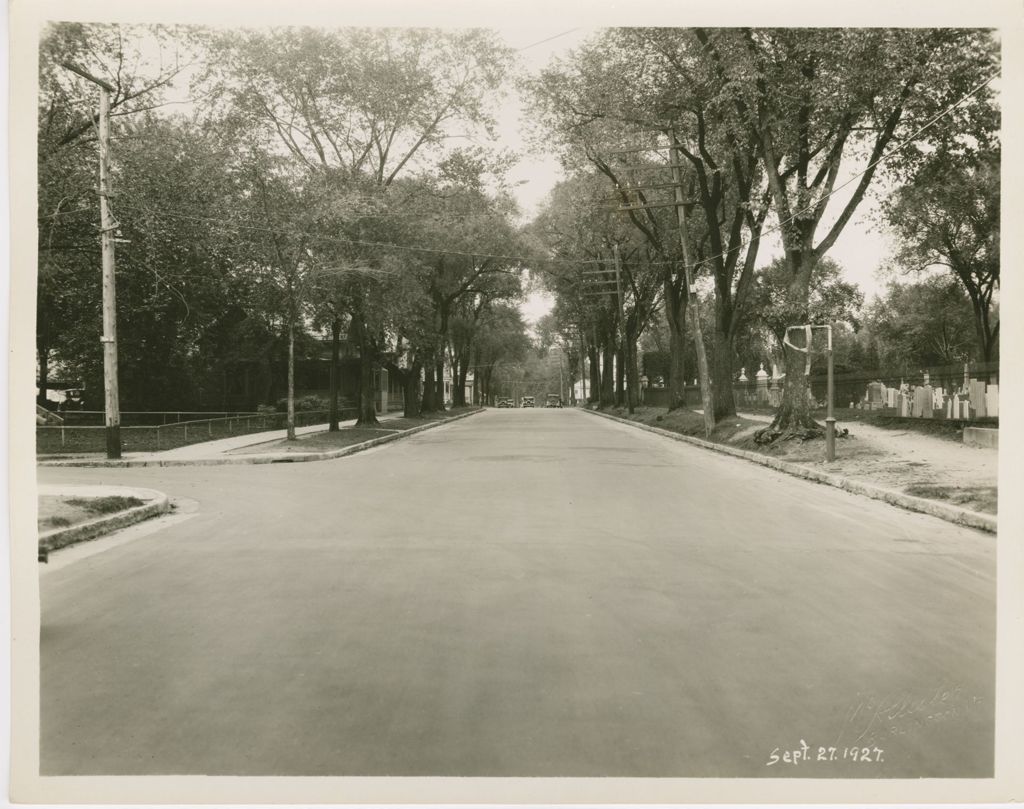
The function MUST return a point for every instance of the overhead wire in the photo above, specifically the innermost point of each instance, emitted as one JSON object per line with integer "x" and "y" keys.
{"x": 357, "y": 242}
{"x": 542, "y": 41}
{"x": 528, "y": 260}
{"x": 882, "y": 158}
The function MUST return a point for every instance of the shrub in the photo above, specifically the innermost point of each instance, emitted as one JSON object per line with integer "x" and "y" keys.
{"x": 303, "y": 404}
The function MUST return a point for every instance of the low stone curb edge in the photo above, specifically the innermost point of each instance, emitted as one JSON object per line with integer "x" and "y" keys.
{"x": 944, "y": 511}
{"x": 62, "y": 537}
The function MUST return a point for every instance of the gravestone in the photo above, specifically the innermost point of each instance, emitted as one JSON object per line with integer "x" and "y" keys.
{"x": 992, "y": 401}
{"x": 874, "y": 395}
{"x": 761, "y": 382}
{"x": 977, "y": 395}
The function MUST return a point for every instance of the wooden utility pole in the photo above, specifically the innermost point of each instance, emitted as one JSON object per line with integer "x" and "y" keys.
{"x": 107, "y": 227}
{"x": 691, "y": 293}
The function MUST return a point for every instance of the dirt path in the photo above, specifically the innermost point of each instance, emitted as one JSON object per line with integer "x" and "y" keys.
{"x": 914, "y": 463}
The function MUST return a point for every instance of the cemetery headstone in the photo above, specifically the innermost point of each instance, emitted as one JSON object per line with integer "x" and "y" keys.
{"x": 977, "y": 396}
{"x": 927, "y": 401}
{"x": 992, "y": 401}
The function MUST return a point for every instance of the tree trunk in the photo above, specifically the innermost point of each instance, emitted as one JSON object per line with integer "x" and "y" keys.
{"x": 367, "y": 395}
{"x": 620, "y": 377}
{"x": 632, "y": 374}
{"x": 675, "y": 317}
{"x": 333, "y": 394}
{"x": 631, "y": 364}
{"x": 439, "y": 381}
{"x": 607, "y": 377}
{"x": 412, "y": 390}
{"x": 291, "y": 381}
{"x": 429, "y": 404}
{"x": 722, "y": 374}
{"x": 486, "y": 397}
{"x": 794, "y": 417}
{"x": 594, "y": 393}
{"x": 987, "y": 341}
{"x": 459, "y": 371}
{"x": 44, "y": 375}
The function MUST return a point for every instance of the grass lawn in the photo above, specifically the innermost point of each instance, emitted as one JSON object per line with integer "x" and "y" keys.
{"x": 57, "y": 511}
{"x": 346, "y": 436}
{"x": 316, "y": 442}
{"x": 689, "y": 423}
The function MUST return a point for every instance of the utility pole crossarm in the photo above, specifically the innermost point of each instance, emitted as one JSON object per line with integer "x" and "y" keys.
{"x": 88, "y": 76}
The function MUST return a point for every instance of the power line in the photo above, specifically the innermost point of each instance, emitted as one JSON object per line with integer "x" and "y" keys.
{"x": 899, "y": 145}
{"x": 542, "y": 41}
{"x": 360, "y": 242}
{"x": 533, "y": 260}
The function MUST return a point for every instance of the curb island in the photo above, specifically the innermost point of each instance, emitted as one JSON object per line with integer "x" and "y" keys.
{"x": 57, "y": 538}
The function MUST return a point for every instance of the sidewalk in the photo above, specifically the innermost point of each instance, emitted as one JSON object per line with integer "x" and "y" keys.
{"x": 222, "y": 446}
{"x": 225, "y": 450}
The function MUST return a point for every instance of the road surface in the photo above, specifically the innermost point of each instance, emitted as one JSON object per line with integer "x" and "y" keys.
{"x": 521, "y": 593}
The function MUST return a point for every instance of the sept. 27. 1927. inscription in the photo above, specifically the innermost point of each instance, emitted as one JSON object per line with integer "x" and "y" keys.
{"x": 806, "y": 753}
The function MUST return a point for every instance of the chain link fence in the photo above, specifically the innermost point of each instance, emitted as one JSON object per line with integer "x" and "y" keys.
{"x": 68, "y": 439}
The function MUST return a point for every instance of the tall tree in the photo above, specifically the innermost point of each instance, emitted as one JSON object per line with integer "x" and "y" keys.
{"x": 819, "y": 99}
{"x": 832, "y": 301}
{"x": 500, "y": 338}
{"x": 654, "y": 89}
{"x": 948, "y": 215}
{"x": 358, "y": 108}
{"x": 917, "y": 325}
{"x": 139, "y": 62}
{"x": 576, "y": 229}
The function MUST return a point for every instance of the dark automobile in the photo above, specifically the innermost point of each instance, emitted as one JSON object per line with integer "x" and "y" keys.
{"x": 554, "y": 400}
{"x": 504, "y": 402}
{"x": 527, "y": 401}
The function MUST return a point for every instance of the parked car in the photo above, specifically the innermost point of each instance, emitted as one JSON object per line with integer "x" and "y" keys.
{"x": 504, "y": 402}
{"x": 554, "y": 400}
{"x": 527, "y": 401}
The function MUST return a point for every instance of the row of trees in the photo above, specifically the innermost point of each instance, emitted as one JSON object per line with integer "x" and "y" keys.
{"x": 745, "y": 124}
{"x": 314, "y": 182}
{"x": 909, "y": 327}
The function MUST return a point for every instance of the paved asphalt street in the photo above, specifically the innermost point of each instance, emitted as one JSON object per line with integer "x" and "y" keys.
{"x": 521, "y": 593}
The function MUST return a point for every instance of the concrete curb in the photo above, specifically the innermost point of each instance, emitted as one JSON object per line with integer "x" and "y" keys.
{"x": 944, "y": 511}
{"x": 277, "y": 457}
{"x": 62, "y": 537}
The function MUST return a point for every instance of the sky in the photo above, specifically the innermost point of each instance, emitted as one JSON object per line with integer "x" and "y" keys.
{"x": 860, "y": 251}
